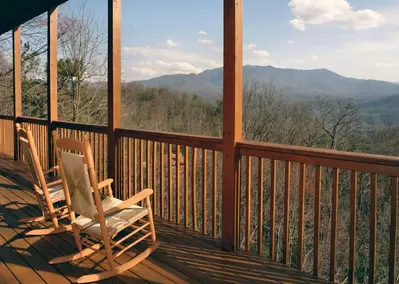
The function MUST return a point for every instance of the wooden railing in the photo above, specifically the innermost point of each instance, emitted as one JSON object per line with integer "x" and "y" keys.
{"x": 6, "y": 134}
{"x": 183, "y": 170}
{"x": 302, "y": 193}
{"x": 39, "y": 130}
{"x": 296, "y": 205}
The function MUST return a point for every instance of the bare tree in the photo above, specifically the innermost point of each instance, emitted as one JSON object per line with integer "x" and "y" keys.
{"x": 338, "y": 118}
{"x": 82, "y": 65}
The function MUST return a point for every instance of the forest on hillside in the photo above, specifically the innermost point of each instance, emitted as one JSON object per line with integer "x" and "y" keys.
{"x": 268, "y": 115}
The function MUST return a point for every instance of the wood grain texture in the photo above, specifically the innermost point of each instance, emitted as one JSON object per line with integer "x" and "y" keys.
{"x": 248, "y": 204}
{"x": 352, "y": 233}
{"x": 317, "y": 212}
{"x": 287, "y": 191}
{"x": 260, "y": 205}
{"x": 232, "y": 115}
{"x": 393, "y": 231}
{"x": 373, "y": 228}
{"x": 301, "y": 213}
{"x": 272, "y": 208}
{"x": 334, "y": 220}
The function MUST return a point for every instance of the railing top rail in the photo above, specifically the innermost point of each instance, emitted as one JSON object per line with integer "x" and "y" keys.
{"x": 33, "y": 120}
{"x": 82, "y": 127}
{"x": 379, "y": 164}
{"x": 198, "y": 141}
{"x": 6, "y": 117}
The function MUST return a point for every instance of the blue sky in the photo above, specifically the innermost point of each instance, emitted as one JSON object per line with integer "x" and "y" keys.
{"x": 355, "y": 38}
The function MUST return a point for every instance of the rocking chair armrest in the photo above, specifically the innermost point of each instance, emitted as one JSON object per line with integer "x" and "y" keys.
{"x": 53, "y": 169}
{"x": 105, "y": 183}
{"x": 131, "y": 201}
{"x": 56, "y": 182}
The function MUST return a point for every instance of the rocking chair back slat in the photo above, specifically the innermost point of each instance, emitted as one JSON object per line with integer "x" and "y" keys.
{"x": 78, "y": 181}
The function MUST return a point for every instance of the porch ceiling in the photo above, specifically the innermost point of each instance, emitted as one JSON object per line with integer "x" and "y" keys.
{"x": 16, "y": 12}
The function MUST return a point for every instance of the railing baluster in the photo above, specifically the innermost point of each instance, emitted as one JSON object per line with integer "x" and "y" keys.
{"x": 98, "y": 156}
{"x": 123, "y": 163}
{"x": 147, "y": 164}
{"x": 214, "y": 194}
{"x": 154, "y": 177}
{"x": 287, "y": 211}
{"x": 141, "y": 165}
{"x": 135, "y": 170}
{"x": 105, "y": 175}
{"x": 248, "y": 207}
{"x": 334, "y": 220}
{"x": 393, "y": 233}
{"x": 301, "y": 201}
{"x": 373, "y": 228}
{"x": 316, "y": 237}
{"x": 204, "y": 193}
{"x": 352, "y": 234}
{"x": 161, "y": 179}
{"x": 194, "y": 189}
{"x": 186, "y": 186}
{"x": 238, "y": 217}
{"x": 100, "y": 169}
{"x": 260, "y": 206}
{"x": 129, "y": 167}
{"x": 177, "y": 184}
{"x": 272, "y": 207}
{"x": 170, "y": 183}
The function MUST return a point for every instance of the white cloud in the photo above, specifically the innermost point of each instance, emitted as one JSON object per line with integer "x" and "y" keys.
{"x": 315, "y": 57}
{"x": 316, "y": 12}
{"x": 144, "y": 62}
{"x": 294, "y": 61}
{"x": 172, "y": 54}
{"x": 171, "y": 43}
{"x": 144, "y": 72}
{"x": 205, "y": 41}
{"x": 250, "y": 46}
{"x": 149, "y": 69}
{"x": 298, "y": 24}
{"x": 179, "y": 67}
{"x": 202, "y": 33}
{"x": 261, "y": 53}
{"x": 291, "y": 41}
{"x": 384, "y": 65}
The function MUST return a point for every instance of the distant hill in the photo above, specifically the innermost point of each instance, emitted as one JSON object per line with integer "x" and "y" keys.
{"x": 377, "y": 110}
{"x": 293, "y": 82}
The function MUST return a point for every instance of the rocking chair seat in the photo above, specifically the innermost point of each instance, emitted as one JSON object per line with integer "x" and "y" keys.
{"x": 115, "y": 222}
{"x": 56, "y": 193}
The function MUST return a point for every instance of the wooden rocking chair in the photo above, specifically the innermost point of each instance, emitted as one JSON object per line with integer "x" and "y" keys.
{"x": 102, "y": 216}
{"x": 47, "y": 192}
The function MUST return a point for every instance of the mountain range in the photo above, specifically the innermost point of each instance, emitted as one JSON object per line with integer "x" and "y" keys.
{"x": 293, "y": 83}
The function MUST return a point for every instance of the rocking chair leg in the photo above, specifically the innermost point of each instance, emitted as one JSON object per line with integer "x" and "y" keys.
{"x": 76, "y": 235}
{"x": 85, "y": 252}
{"x": 32, "y": 219}
{"x": 119, "y": 269}
{"x": 151, "y": 220}
{"x": 49, "y": 231}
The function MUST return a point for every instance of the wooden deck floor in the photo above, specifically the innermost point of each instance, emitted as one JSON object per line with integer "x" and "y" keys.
{"x": 183, "y": 257}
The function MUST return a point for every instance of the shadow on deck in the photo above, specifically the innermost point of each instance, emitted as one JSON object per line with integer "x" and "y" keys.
{"x": 183, "y": 257}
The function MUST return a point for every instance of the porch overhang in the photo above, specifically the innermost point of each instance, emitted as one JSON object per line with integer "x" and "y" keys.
{"x": 16, "y": 12}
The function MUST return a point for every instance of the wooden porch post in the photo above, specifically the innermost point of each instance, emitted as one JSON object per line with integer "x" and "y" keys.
{"x": 17, "y": 81}
{"x": 52, "y": 112}
{"x": 114, "y": 83}
{"x": 232, "y": 117}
